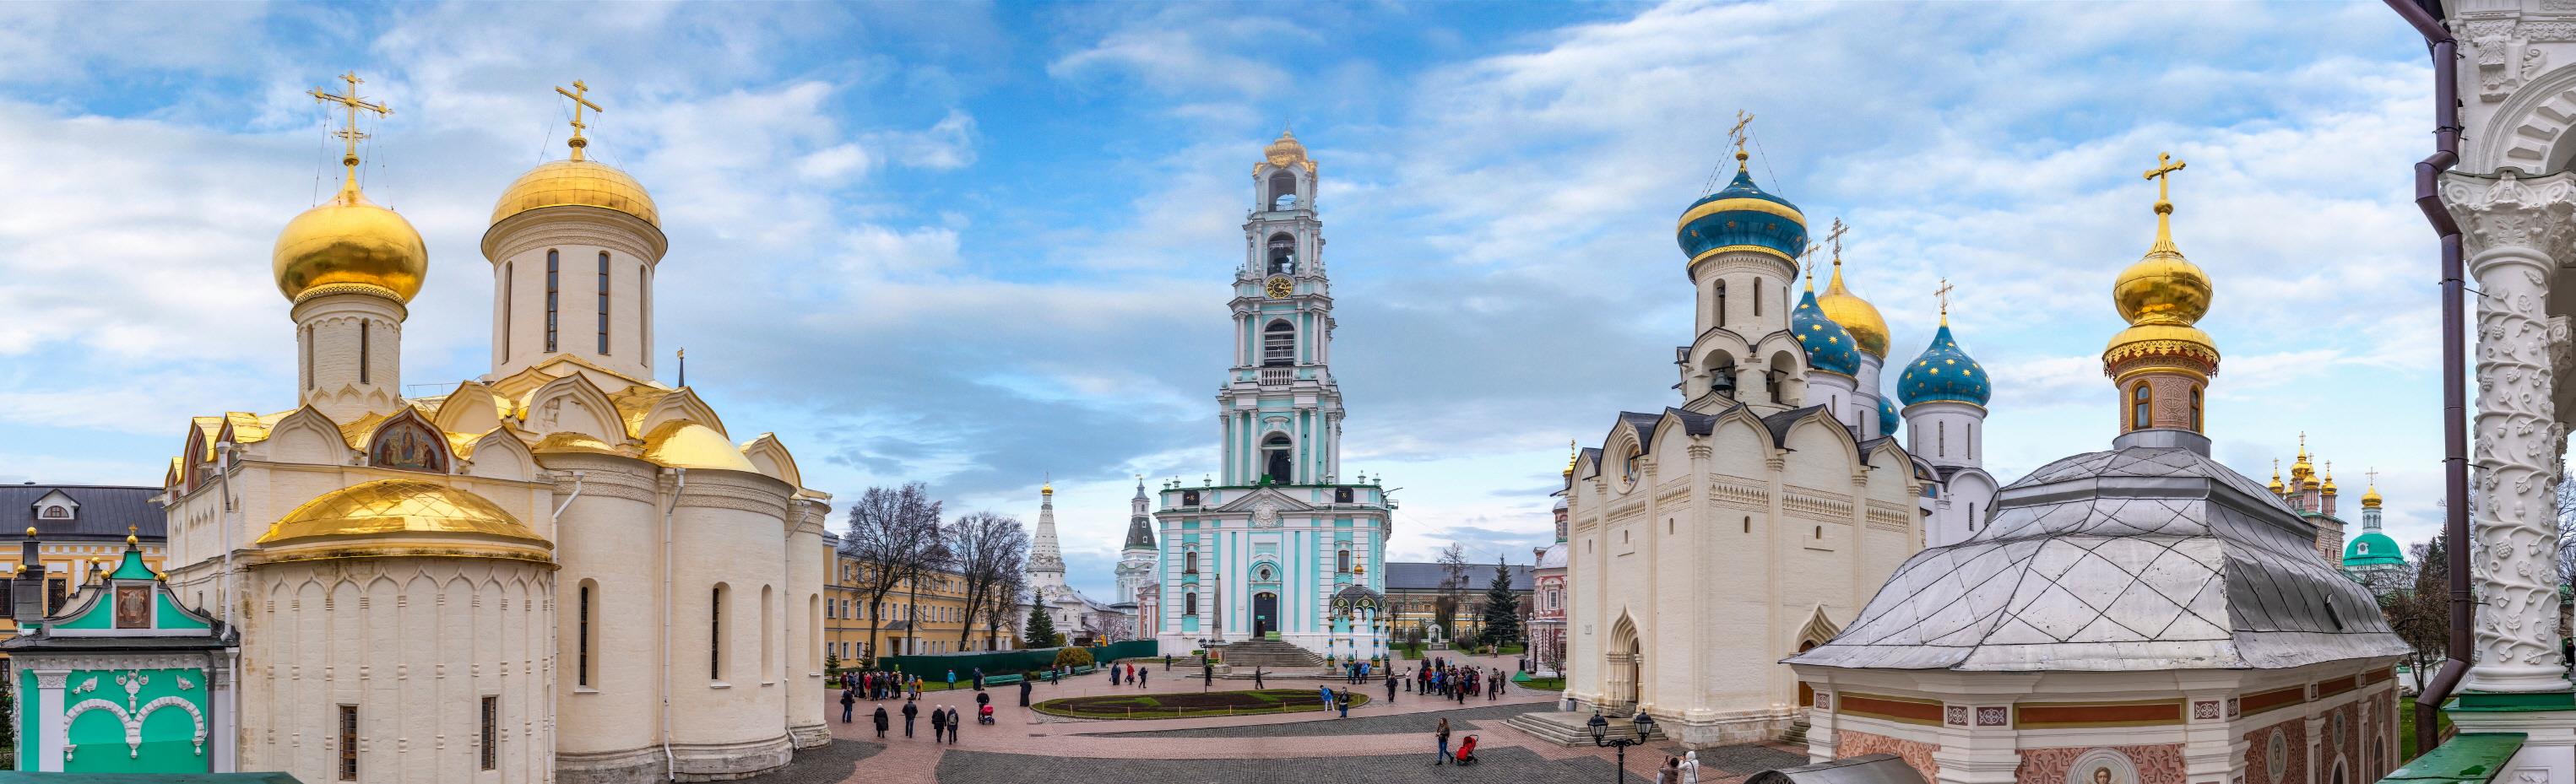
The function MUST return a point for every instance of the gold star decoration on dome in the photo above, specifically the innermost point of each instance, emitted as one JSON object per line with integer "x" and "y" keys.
{"x": 350, "y": 133}
{"x": 577, "y": 94}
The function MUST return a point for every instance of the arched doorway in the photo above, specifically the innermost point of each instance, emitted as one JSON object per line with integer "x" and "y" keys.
{"x": 1625, "y": 658}
{"x": 1265, "y": 614}
{"x": 1806, "y": 693}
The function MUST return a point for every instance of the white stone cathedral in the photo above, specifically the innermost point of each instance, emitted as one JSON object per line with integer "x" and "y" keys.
{"x": 1279, "y": 547}
{"x": 564, "y": 570}
{"x": 1712, "y": 539}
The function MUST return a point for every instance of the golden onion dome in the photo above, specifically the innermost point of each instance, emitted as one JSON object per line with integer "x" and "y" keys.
{"x": 2277, "y": 487}
{"x": 400, "y": 506}
{"x": 2162, "y": 295}
{"x": 691, "y": 445}
{"x": 2370, "y": 497}
{"x": 1855, "y": 315}
{"x": 577, "y": 182}
{"x": 349, "y": 241}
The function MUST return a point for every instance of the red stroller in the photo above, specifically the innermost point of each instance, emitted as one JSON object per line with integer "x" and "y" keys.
{"x": 1467, "y": 751}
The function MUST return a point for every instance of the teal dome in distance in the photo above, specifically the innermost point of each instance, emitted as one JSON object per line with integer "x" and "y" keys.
{"x": 1887, "y": 418}
{"x": 1830, "y": 348}
{"x": 1943, "y": 372}
{"x": 1742, "y": 216}
{"x": 2372, "y": 548}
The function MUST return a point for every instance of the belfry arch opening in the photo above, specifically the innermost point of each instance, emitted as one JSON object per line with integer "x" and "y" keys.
{"x": 1282, "y": 191}
{"x": 1275, "y": 452}
{"x": 1279, "y": 344}
{"x": 1282, "y": 254}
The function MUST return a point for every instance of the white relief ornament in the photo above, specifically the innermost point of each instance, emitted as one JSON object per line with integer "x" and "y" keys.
{"x": 133, "y": 682}
{"x": 86, "y": 686}
{"x": 185, "y": 684}
{"x": 1265, "y": 515}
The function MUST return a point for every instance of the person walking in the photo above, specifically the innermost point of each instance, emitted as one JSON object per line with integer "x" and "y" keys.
{"x": 1342, "y": 702}
{"x": 1494, "y": 690}
{"x": 1256, "y": 677}
{"x": 955, "y": 723}
{"x": 979, "y": 679}
{"x": 952, "y": 679}
{"x": 910, "y": 710}
{"x": 882, "y": 721}
{"x": 1167, "y": 662}
{"x": 1208, "y": 670}
{"x": 938, "y": 724}
{"x": 1144, "y": 675}
{"x": 1408, "y": 680}
{"x": 1690, "y": 768}
{"x": 1024, "y": 691}
{"x": 1113, "y": 674}
{"x": 1443, "y": 736}
{"x": 1390, "y": 687}
{"x": 849, "y": 702}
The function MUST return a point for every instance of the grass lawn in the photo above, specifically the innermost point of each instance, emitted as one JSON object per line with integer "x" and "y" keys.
{"x": 1541, "y": 684}
{"x": 2406, "y": 730}
{"x": 1188, "y": 704}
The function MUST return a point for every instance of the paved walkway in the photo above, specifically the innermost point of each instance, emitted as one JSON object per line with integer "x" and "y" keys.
{"x": 1377, "y": 739}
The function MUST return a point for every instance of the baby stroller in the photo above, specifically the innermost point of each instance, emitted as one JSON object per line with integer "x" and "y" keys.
{"x": 1467, "y": 751}
{"x": 984, "y": 714}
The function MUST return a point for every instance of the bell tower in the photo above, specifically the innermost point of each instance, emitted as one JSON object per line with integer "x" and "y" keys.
{"x": 1282, "y": 412}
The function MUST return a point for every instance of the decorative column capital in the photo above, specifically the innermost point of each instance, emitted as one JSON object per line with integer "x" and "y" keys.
{"x": 2506, "y": 211}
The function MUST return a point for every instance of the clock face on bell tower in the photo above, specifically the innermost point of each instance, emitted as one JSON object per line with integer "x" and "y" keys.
{"x": 1278, "y": 288}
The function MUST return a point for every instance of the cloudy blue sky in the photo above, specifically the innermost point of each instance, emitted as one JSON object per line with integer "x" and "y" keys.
{"x": 978, "y": 244}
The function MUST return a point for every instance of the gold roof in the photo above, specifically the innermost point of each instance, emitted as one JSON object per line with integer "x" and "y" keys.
{"x": 582, "y": 182}
{"x": 2163, "y": 289}
{"x": 2370, "y": 497}
{"x": 572, "y": 441}
{"x": 2277, "y": 487}
{"x": 1287, "y": 151}
{"x": 681, "y": 444}
{"x": 350, "y": 241}
{"x": 396, "y": 506}
{"x": 1855, "y": 315}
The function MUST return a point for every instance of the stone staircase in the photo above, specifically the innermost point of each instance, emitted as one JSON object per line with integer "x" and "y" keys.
{"x": 1571, "y": 728}
{"x": 1269, "y": 654}
{"x": 1797, "y": 734}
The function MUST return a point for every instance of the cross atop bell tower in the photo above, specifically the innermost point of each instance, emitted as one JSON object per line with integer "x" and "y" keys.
{"x": 577, "y": 94}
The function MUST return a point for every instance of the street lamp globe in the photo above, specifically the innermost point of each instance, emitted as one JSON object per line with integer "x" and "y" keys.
{"x": 1600, "y": 728}
{"x": 1645, "y": 725}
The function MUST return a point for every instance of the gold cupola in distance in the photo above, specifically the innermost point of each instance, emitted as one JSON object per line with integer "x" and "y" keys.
{"x": 1856, "y": 315}
{"x": 349, "y": 243}
{"x": 577, "y": 181}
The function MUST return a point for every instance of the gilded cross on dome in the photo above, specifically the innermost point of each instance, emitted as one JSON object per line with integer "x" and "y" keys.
{"x": 1836, "y": 237}
{"x": 577, "y": 94}
{"x": 350, "y": 133}
{"x": 1737, "y": 135}
{"x": 1943, "y": 293}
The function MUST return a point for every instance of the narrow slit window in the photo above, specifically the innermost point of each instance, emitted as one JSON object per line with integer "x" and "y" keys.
{"x": 363, "y": 359}
{"x": 715, "y": 634}
{"x": 491, "y": 733}
{"x": 581, "y": 665}
{"x": 509, "y": 275}
{"x": 348, "y": 743}
{"x": 1757, "y": 296}
{"x": 2138, "y": 408}
{"x": 603, "y": 303}
{"x": 554, "y": 281}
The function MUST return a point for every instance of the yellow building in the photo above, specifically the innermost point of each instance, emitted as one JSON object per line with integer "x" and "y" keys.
{"x": 923, "y": 619}
{"x": 77, "y": 527}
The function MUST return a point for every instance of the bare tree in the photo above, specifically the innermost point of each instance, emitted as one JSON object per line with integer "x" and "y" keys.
{"x": 985, "y": 548}
{"x": 2421, "y": 613}
{"x": 1453, "y": 586}
{"x": 2566, "y": 526}
{"x": 893, "y": 532}
{"x": 1005, "y": 612}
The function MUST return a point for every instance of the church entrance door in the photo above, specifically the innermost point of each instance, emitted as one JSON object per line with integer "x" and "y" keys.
{"x": 1265, "y": 614}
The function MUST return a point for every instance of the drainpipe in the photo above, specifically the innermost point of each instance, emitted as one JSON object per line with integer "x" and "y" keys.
{"x": 232, "y": 664}
{"x": 557, "y": 519}
{"x": 670, "y": 764}
{"x": 2425, "y": 17}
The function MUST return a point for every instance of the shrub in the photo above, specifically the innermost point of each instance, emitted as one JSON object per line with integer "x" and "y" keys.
{"x": 1072, "y": 657}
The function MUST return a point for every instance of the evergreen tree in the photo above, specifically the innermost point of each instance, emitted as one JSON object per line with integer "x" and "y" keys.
{"x": 1502, "y": 608}
{"x": 1041, "y": 629}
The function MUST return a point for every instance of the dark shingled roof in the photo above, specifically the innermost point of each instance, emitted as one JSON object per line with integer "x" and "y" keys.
{"x": 1422, "y": 576}
{"x": 104, "y": 512}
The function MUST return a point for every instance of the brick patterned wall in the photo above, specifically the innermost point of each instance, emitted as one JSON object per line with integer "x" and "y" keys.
{"x": 2157, "y": 763}
{"x": 1849, "y": 744}
{"x": 2259, "y": 764}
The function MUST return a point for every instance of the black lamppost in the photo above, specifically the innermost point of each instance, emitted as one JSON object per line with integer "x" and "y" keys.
{"x": 1643, "y": 725}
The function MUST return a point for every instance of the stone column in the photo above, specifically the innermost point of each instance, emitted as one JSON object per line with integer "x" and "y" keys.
{"x": 2511, "y": 228}
{"x": 52, "y": 731}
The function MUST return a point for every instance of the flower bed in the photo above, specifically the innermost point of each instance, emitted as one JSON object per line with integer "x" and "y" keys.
{"x": 1190, "y": 704}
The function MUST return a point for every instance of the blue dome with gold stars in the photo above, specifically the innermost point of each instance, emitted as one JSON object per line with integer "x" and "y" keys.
{"x": 1943, "y": 372}
{"x": 1829, "y": 347}
{"x": 1887, "y": 418}
{"x": 1742, "y": 216}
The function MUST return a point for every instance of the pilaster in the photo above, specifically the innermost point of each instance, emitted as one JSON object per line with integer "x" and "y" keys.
{"x": 2513, "y": 231}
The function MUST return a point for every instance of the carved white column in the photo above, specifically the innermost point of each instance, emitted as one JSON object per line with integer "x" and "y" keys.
{"x": 2512, "y": 228}
{"x": 52, "y": 733}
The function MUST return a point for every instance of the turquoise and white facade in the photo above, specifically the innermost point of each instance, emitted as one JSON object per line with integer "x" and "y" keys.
{"x": 1277, "y": 544}
{"x": 121, "y": 679}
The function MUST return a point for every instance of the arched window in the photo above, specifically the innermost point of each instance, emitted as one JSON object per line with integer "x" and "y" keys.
{"x": 603, "y": 303}
{"x": 1283, "y": 190}
{"x": 554, "y": 274}
{"x": 768, "y": 637}
{"x": 589, "y": 612}
{"x": 308, "y": 360}
{"x": 1721, "y": 303}
{"x": 2139, "y": 398}
{"x": 1941, "y": 439}
{"x": 715, "y": 632}
{"x": 1342, "y": 561}
{"x": 644, "y": 309}
{"x": 1279, "y": 344}
{"x": 1190, "y": 562}
{"x": 364, "y": 358}
{"x": 2195, "y": 409}
{"x": 1757, "y": 296}
{"x": 509, "y": 273}
{"x": 1190, "y": 603}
